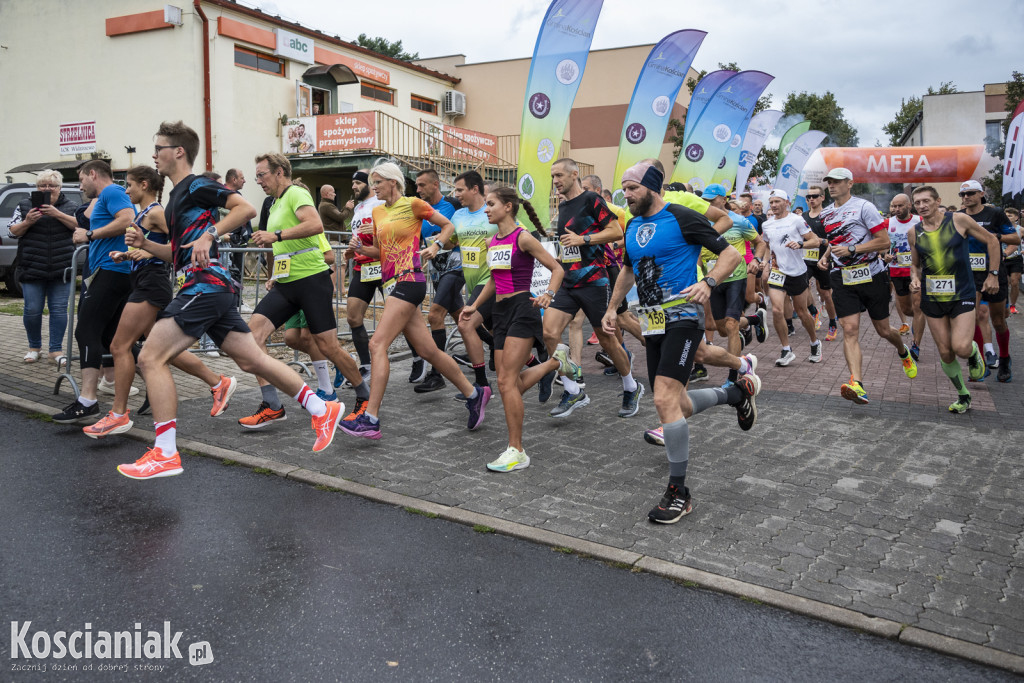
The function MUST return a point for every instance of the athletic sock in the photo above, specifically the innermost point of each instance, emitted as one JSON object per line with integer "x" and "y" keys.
{"x": 362, "y": 392}
{"x": 440, "y": 337}
{"x": 677, "y": 447}
{"x": 989, "y": 348}
{"x": 217, "y": 385}
{"x": 476, "y": 392}
{"x": 323, "y": 376}
{"x": 270, "y": 397}
{"x": 87, "y": 402}
{"x": 734, "y": 375}
{"x": 116, "y": 414}
{"x": 532, "y": 362}
{"x": 308, "y": 399}
{"x": 703, "y": 399}
{"x": 955, "y": 375}
{"x": 787, "y": 349}
{"x": 832, "y": 322}
{"x": 744, "y": 368}
{"x": 481, "y": 374}
{"x": 570, "y": 385}
{"x": 812, "y": 309}
{"x": 373, "y": 418}
{"x": 628, "y": 383}
{"x": 165, "y": 436}
{"x": 978, "y": 338}
{"x": 1003, "y": 339}
{"x": 752, "y": 319}
{"x": 361, "y": 340}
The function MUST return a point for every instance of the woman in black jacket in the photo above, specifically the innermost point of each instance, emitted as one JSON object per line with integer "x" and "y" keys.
{"x": 44, "y": 251}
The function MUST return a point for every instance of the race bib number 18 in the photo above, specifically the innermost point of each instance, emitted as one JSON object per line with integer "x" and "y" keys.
{"x": 471, "y": 257}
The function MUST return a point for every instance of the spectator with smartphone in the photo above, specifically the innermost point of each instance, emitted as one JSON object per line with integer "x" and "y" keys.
{"x": 44, "y": 224}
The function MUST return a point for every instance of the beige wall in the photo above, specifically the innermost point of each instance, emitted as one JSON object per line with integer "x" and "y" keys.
{"x": 495, "y": 92}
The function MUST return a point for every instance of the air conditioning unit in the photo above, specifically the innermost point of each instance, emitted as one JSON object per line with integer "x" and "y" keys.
{"x": 454, "y": 103}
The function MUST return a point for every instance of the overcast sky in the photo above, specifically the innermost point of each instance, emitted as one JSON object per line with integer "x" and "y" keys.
{"x": 870, "y": 53}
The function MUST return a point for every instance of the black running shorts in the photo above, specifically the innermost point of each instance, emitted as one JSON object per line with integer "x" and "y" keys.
{"x": 592, "y": 299}
{"x": 672, "y": 354}
{"x": 151, "y": 285}
{"x": 313, "y": 295}
{"x": 212, "y": 313}
{"x": 873, "y": 297}
{"x": 517, "y": 317}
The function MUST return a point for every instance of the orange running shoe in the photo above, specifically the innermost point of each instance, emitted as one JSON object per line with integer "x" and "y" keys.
{"x": 359, "y": 410}
{"x": 593, "y": 339}
{"x": 109, "y": 424}
{"x": 263, "y": 416}
{"x": 152, "y": 465}
{"x": 326, "y": 425}
{"x": 904, "y": 329}
{"x": 832, "y": 333}
{"x": 222, "y": 395}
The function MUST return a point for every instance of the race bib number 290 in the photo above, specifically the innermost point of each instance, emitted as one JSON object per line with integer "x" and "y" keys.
{"x": 857, "y": 275}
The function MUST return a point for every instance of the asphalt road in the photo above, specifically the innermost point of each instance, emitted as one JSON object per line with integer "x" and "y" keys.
{"x": 290, "y": 583}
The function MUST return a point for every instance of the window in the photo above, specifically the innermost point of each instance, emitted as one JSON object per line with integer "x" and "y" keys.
{"x": 423, "y": 104}
{"x": 994, "y": 136}
{"x": 372, "y": 91}
{"x": 257, "y": 61}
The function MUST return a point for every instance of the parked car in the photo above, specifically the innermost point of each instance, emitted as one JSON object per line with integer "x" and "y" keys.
{"x": 10, "y": 195}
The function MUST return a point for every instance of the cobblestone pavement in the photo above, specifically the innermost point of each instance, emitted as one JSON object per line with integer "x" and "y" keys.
{"x": 897, "y": 509}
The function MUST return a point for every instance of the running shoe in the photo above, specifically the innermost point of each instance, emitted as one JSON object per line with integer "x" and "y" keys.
{"x": 631, "y": 401}
{"x": 340, "y": 382}
{"x": 915, "y": 351}
{"x": 991, "y": 360}
{"x": 909, "y": 366}
{"x": 746, "y": 409}
{"x": 76, "y": 411}
{"x": 106, "y": 387}
{"x": 359, "y": 409}
{"x": 565, "y": 364}
{"x": 462, "y": 359}
{"x": 593, "y": 339}
{"x": 108, "y": 425}
{"x": 433, "y": 382}
{"x": 655, "y": 437}
{"x": 752, "y": 361}
{"x": 976, "y": 370}
{"x": 152, "y": 465}
{"x": 569, "y": 403}
{"x": 221, "y": 395}
{"x": 263, "y": 416}
{"x": 324, "y": 396}
{"x": 418, "y": 372}
{"x": 817, "y": 320}
{"x": 674, "y": 505}
{"x": 833, "y": 332}
{"x": 326, "y": 425}
{"x": 361, "y": 426}
{"x": 1013, "y": 310}
{"x": 747, "y": 336}
{"x": 961, "y": 405}
{"x": 699, "y": 374}
{"x": 604, "y": 359}
{"x": 761, "y": 330}
{"x": 461, "y": 397}
{"x": 904, "y": 329}
{"x": 786, "y": 358}
{"x": 544, "y": 387}
{"x": 476, "y": 407}
{"x": 1005, "y": 373}
{"x": 854, "y": 391}
{"x": 511, "y": 460}
{"x": 815, "y": 356}
{"x": 790, "y": 330}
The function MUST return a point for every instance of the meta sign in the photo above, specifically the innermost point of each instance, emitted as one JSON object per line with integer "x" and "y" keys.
{"x": 294, "y": 47}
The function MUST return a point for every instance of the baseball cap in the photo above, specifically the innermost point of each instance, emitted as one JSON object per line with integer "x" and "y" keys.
{"x": 840, "y": 173}
{"x": 971, "y": 186}
{"x": 715, "y": 190}
{"x": 781, "y": 194}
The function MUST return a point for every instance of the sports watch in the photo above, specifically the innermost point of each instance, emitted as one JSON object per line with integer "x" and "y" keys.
{"x": 277, "y": 234}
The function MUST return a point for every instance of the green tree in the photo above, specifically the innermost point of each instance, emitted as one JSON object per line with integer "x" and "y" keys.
{"x": 993, "y": 182}
{"x": 676, "y": 132}
{"x": 386, "y": 47}
{"x": 909, "y": 109}
{"x": 825, "y": 115}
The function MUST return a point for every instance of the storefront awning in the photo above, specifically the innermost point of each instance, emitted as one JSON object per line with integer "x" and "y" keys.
{"x": 53, "y": 165}
{"x": 341, "y": 74}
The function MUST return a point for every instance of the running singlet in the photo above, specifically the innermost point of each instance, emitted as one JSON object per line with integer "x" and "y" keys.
{"x": 663, "y": 250}
{"x": 472, "y": 234}
{"x": 945, "y": 265}
{"x": 778, "y": 232}
{"x": 298, "y": 258}
{"x": 898, "y": 245}
{"x": 739, "y": 236}
{"x": 855, "y": 222}
{"x": 191, "y": 209}
{"x": 511, "y": 267}
{"x": 112, "y": 200}
{"x": 996, "y": 222}
{"x": 397, "y": 229}
{"x": 584, "y": 265}
{"x": 818, "y": 228}
{"x": 362, "y": 227}
{"x": 151, "y": 235}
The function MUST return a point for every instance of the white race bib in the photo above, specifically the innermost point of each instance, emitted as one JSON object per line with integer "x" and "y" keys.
{"x": 856, "y": 275}
{"x": 370, "y": 272}
{"x": 389, "y": 287}
{"x": 940, "y": 285}
{"x": 777, "y": 278}
{"x": 979, "y": 262}
{"x": 903, "y": 259}
{"x": 471, "y": 257}
{"x": 500, "y": 257}
{"x": 570, "y": 254}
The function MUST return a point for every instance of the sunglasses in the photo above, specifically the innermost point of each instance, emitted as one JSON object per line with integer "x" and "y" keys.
{"x": 814, "y": 196}
{"x": 968, "y": 194}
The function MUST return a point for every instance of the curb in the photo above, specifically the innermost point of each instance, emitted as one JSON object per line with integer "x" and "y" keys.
{"x": 840, "y": 616}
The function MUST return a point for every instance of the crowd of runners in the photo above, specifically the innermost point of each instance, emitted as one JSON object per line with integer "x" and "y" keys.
{"x": 701, "y": 263}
